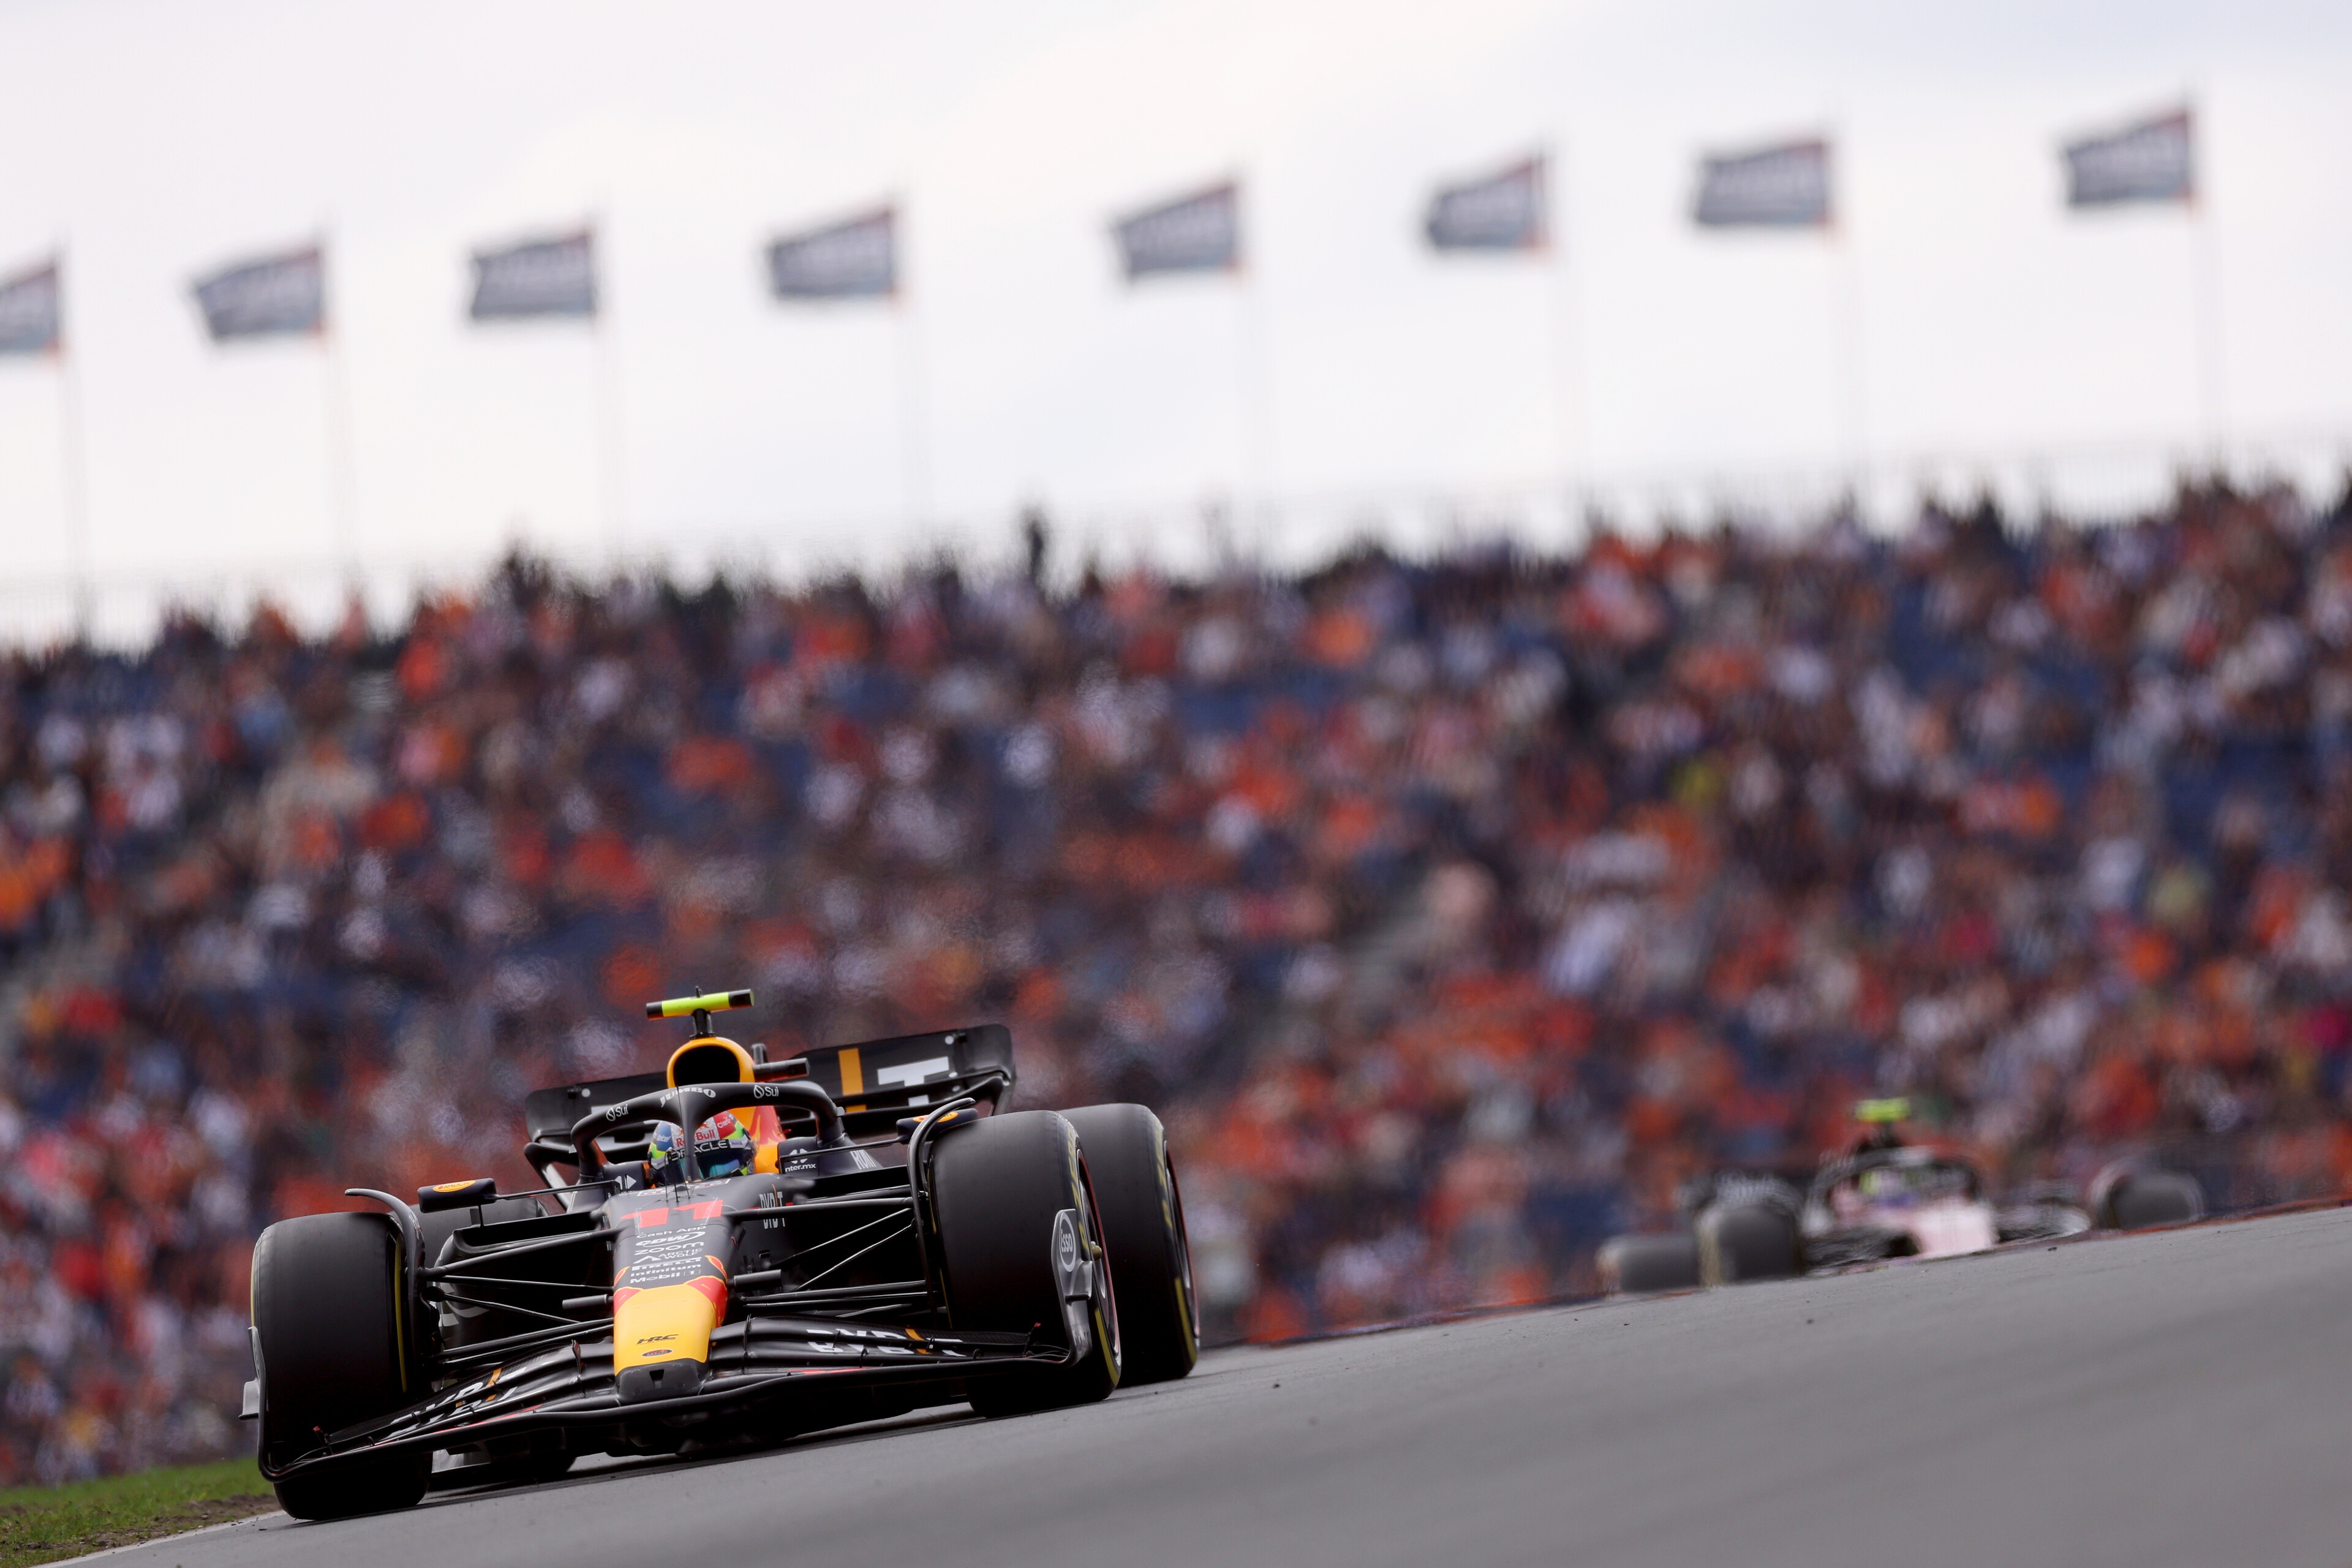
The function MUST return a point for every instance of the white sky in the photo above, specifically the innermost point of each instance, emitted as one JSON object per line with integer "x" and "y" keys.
{"x": 157, "y": 140}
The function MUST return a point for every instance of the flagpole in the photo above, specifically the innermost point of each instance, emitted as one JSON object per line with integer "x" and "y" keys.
{"x": 2205, "y": 263}
{"x": 335, "y": 396}
{"x": 340, "y": 465}
{"x": 1567, "y": 407}
{"x": 1254, "y": 403}
{"x": 1845, "y": 302}
{"x": 2211, "y": 372}
{"x": 914, "y": 475}
{"x": 610, "y": 473}
{"x": 608, "y": 440}
{"x": 77, "y": 495}
{"x": 1845, "y": 308}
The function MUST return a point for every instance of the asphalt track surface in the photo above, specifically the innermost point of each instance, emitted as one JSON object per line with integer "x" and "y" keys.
{"x": 2175, "y": 1398}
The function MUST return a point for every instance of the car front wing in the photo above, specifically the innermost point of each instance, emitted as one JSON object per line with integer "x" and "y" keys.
{"x": 754, "y": 1362}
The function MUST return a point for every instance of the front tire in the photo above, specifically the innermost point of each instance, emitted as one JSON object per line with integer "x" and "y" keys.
{"x": 996, "y": 1189}
{"x": 338, "y": 1346}
{"x": 1647, "y": 1265}
{"x": 1739, "y": 1242}
{"x": 1143, "y": 1235}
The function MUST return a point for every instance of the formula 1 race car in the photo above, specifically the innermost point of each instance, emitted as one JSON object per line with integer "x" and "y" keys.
{"x": 1882, "y": 1199}
{"x": 728, "y": 1252}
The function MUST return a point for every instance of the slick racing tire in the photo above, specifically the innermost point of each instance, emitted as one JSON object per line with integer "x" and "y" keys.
{"x": 2134, "y": 1200}
{"x": 1642, "y": 1265}
{"x": 1143, "y": 1234}
{"x": 996, "y": 1188}
{"x": 337, "y": 1345}
{"x": 1739, "y": 1242}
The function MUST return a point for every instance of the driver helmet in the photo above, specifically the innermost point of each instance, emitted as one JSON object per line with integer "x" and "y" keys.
{"x": 1887, "y": 1184}
{"x": 722, "y": 1147}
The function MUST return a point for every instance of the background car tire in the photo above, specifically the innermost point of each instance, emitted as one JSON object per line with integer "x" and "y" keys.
{"x": 337, "y": 1335}
{"x": 2144, "y": 1198}
{"x": 1740, "y": 1242}
{"x": 1125, "y": 1151}
{"x": 1640, "y": 1265}
{"x": 995, "y": 1188}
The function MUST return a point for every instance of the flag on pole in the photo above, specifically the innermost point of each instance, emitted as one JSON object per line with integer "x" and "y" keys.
{"x": 276, "y": 296}
{"x": 2153, "y": 161}
{"x": 853, "y": 259}
{"x": 553, "y": 277}
{"x": 1198, "y": 233}
{"x": 28, "y": 312}
{"x": 1502, "y": 211}
{"x": 1786, "y": 186}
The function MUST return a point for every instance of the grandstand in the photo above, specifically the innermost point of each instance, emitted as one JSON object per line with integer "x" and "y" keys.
{"x": 1452, "y": 909}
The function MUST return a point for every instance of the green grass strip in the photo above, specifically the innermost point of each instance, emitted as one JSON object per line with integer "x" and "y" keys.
{"x": 41, "y": 1524}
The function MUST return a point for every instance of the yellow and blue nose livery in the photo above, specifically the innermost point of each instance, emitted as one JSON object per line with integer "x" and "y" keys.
{"x": 669, "y": 1291}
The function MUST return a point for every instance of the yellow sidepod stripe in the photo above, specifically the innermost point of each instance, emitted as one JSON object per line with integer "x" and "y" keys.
{"x": 669, "y": 1322}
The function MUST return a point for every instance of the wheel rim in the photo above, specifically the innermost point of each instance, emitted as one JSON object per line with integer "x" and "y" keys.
{"x": 1105, "y": 1303}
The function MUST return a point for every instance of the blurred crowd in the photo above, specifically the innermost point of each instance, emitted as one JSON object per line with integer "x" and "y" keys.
{"x": 1451, "y": 911}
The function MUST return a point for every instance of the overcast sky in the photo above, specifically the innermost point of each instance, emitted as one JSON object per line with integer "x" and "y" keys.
{"x": 155, "y": 140}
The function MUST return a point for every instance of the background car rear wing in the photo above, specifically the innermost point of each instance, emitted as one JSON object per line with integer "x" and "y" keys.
{"x": 875, "y": 1082}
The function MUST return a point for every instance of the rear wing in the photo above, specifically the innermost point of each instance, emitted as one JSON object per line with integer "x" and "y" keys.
{"x": 875, "y": 1082}
{"x": 881, "y": 1080}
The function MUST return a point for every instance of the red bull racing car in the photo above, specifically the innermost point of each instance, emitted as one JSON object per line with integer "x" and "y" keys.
{"x": 728, "y": 1252}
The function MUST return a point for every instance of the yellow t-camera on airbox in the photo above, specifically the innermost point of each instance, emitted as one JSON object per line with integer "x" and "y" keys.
{"x": 709, "y": 1058}
{"x": 699, "y": 1008}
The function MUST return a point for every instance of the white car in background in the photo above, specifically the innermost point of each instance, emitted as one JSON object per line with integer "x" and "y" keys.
{"x": 1885, "y": 1199}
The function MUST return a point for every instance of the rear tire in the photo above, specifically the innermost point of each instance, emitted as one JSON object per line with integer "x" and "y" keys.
{"x": 996, "y": 1187}
{"x": 1739, "y": 1242}
{"x": 1646, "y": 1265}
{"x": 338, "y": 1346}
{"x": 2140, "y": 1199}
{"x": 1143, "y": 1235}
